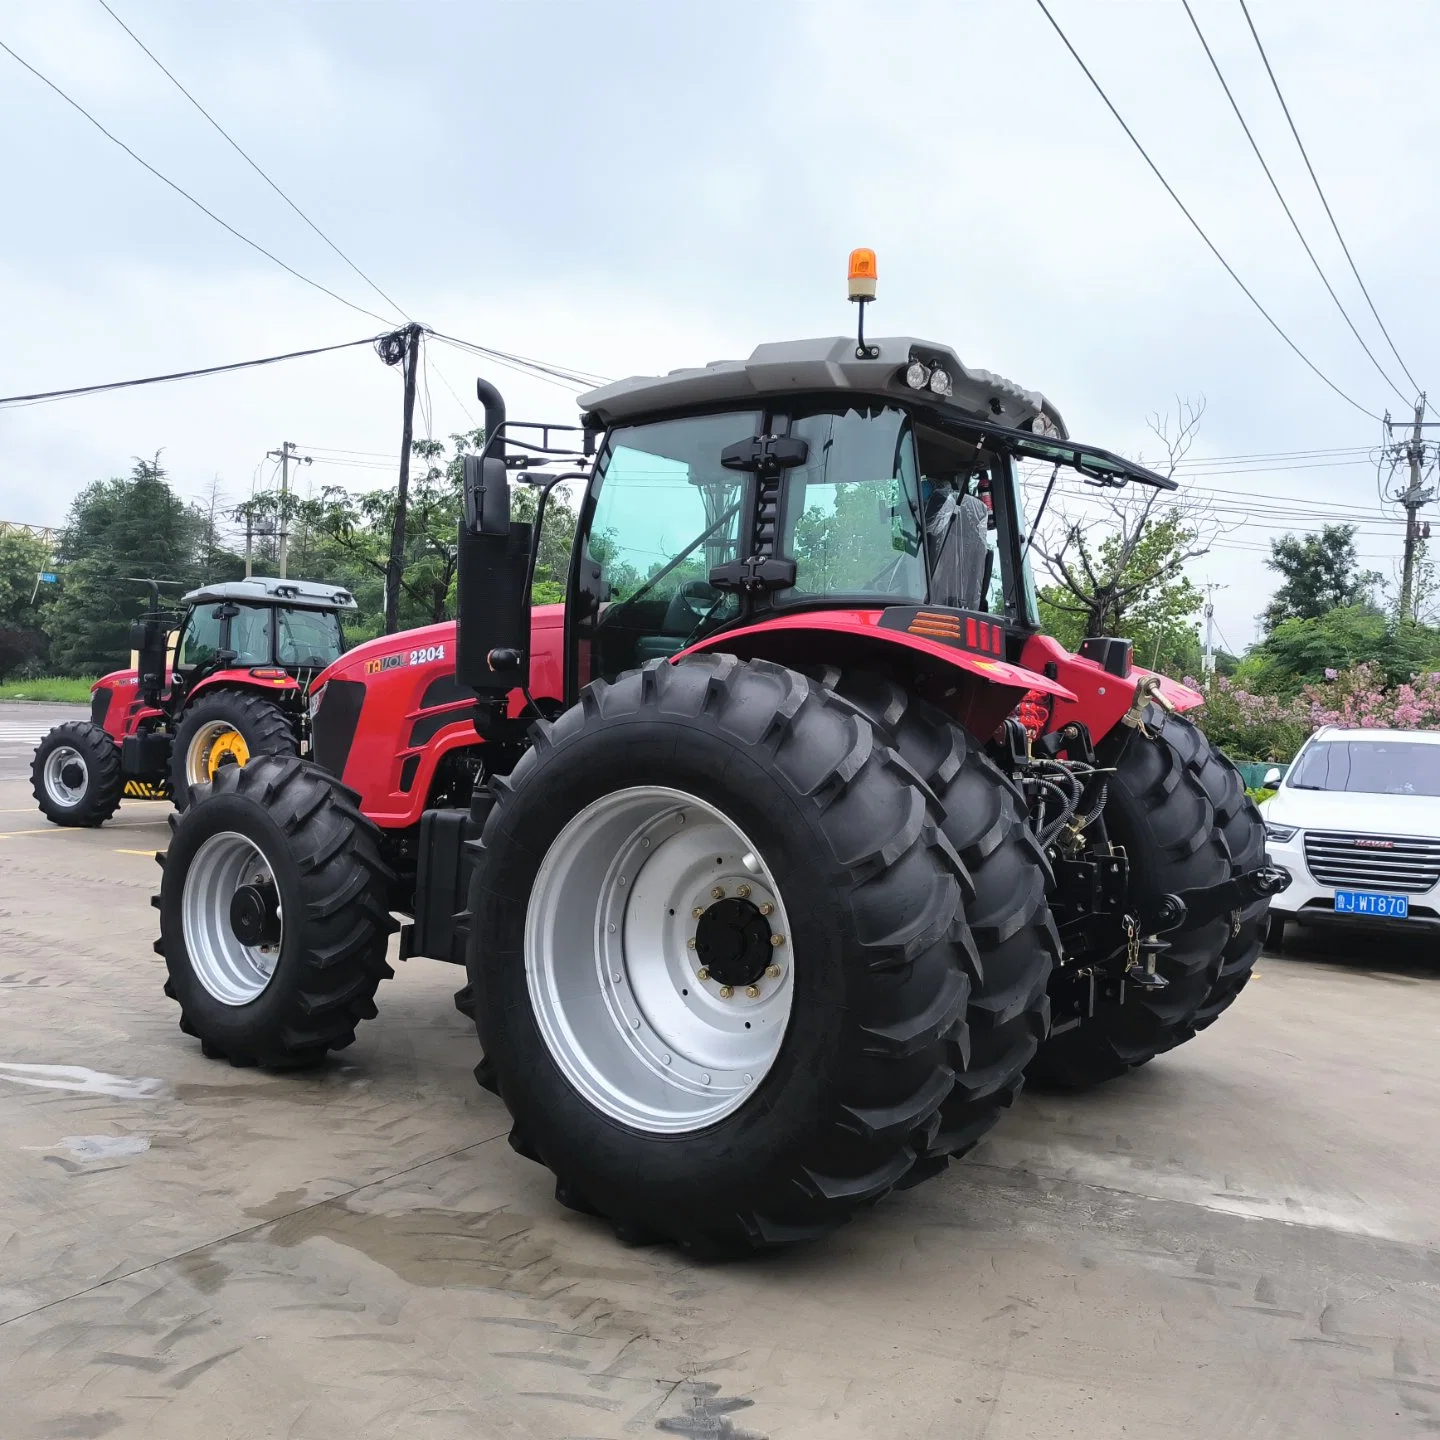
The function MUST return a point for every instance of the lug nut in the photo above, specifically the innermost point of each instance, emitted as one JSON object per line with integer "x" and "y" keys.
{"x": 702, "y": 973}
{"x": 752, "y": 992}
{"x": 726, "y": 992}
{"x": 777, "y": 941}
{"x": 718, "y": 893}
{"x": 772, "y": 972}
{"x": 767, "y": 908}
{"x": 743, "y": 891}
{"x": 697, "y": 912}
{"x": 690, "y": 943}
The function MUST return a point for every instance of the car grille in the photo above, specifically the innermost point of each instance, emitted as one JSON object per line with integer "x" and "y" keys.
{"x": 1397, "y": 863}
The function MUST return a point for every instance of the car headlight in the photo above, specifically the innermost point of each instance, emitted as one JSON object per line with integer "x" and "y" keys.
{"x": 1280, "y": 833}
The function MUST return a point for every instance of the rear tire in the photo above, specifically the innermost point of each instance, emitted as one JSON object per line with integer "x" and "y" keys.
{"x": 290, "y": 831}
{"x": 203, "y": 731}
{"x": 76, "y": 774}
{"x": 850, "y": 842}
{"x": 1016, "y": 942}
{"x": 1159, "y": 809}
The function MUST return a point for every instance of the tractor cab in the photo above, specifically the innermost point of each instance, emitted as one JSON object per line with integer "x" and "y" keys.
{"x": 260, "y": 623}
{"x": 871, "y": 485}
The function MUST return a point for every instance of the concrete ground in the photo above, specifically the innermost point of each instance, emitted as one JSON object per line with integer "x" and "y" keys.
{"x": 1239, "y": 1240}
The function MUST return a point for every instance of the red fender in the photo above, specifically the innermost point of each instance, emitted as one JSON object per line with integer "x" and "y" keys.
{"x": 979, "y": 691}
{"x": 245, "y": 679}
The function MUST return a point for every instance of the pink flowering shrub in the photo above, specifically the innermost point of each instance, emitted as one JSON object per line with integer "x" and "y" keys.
{"x": 1252, "y": 726}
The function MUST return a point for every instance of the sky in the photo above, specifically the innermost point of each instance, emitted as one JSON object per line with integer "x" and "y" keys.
{"x": 627, "y": 186}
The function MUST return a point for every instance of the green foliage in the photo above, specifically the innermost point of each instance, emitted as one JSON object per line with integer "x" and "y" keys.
{"x": 1320, "y": 574}
{"x": 23, "y": 642}
{"x": 1131, "y": 584}
{"x": 53, "y": 689}
{"x": 1301, "y": 650}
{"x": 1259, "y": 796}
{"x": 117, "y": 530}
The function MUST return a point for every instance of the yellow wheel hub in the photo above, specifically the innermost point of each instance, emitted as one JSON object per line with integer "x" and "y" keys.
{"x": 227, "y": 748}
{"x": 213, "y": 746}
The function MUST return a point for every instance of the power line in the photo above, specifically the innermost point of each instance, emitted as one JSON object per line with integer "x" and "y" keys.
{"x": 539, "y": 369}
{"x": 179, "y": 190}
{"x": 1294, "y": 224}
{"x": 1319, "y": 190}
{"x": 44, "y": 395}
{"x": 1210, "y": 244}
{"x": 235, "y": 145}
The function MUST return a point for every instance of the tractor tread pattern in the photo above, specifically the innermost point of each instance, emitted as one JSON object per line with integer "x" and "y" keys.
{"x": 265, "y": 726}
{"x": 883, "y": 1106}
{"x": 340, "y": 951}
{"x": 1013, "y": 941}
{"x": 102, "y": 757}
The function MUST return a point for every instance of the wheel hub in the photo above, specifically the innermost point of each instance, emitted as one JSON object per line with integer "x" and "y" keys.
{"x": 255, "y": 913}
{"x": 73, "y": 774}
{"x": 733, "y": 941}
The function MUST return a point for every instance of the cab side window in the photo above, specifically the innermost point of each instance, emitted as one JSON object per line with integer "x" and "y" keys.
{"x": 200, "y": 639}
{"x": 250, "y": 635}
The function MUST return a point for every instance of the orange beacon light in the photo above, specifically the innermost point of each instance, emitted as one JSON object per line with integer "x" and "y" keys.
{"x": 862, "y": 274}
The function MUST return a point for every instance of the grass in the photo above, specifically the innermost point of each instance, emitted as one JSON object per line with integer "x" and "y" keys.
{"x": 56, "y": 689}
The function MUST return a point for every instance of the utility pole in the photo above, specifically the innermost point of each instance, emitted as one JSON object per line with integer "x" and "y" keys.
{"x": 395, "y": 568}
{"x": 1413, "y": 498}
{"x": 285, "y": 454}
{"x": 1207, "y": 665}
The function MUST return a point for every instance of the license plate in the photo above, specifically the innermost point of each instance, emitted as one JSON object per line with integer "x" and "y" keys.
{"x": 1372, "y": 902}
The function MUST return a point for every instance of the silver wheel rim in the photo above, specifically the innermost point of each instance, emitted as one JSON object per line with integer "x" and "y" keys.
{"x": 56, "y": 787}
{"x": 201, "y": 743}
{"x": 233, "y": 972}
{"x": 621, "y": 996}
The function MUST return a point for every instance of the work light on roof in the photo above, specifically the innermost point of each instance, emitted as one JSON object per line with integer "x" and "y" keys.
{"x": 940, "y": 381}
{"x": 917, "y": 376}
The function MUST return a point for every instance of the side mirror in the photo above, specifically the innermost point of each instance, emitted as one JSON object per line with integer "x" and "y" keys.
{"x": 1272, "y": 778}
{"x": 139, "y": 634}
{"x": 487, "y": 496}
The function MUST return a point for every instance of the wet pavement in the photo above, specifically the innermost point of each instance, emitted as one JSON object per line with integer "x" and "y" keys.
{"x": 1239, "y": 1240}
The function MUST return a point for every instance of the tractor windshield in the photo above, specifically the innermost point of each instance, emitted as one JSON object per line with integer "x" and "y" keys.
{"x": 309, "y": 639}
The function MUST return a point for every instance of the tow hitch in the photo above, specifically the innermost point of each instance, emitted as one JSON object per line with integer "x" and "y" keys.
{"x": 1198, "y": 907}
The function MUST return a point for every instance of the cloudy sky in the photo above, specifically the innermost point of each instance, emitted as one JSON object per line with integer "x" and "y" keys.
{"x": 630, "y": 185}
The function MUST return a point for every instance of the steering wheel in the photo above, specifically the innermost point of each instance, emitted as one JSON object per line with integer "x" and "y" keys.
{"x": 690, "y": 604}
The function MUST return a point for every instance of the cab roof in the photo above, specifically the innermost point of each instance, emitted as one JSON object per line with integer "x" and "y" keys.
{"x": 267, "y": 590}
{"x": 825, "y": 364}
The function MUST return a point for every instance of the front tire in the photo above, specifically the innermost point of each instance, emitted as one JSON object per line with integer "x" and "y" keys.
{"x": 76, "y": 774}
{"x": 598, "y": 1047}
{"x": 273, "y": 918}
{"x": 223, "y": 729}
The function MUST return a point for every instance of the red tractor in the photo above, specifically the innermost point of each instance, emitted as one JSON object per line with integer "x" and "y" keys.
{"x": 783, "y": 851}
{"x": 235, "y": 687}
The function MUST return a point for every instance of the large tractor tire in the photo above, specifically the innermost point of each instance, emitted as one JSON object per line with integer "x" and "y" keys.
{"x": 1016, "y": 944}
{"x": 76, "y": 774}
{"x": 273, "y": 914}
{"x": 718, "y": 956}
{"x": 225, "y": 728}
{"x": 1160, "y": 810}
{"x": 1244, "y": 831}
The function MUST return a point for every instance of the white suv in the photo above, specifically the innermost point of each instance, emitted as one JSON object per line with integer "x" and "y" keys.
{"x": 1356, "y": 822}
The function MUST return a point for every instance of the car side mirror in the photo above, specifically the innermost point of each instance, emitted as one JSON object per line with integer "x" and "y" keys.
{"x": 1272, "y": 778}
{"x": 487, "y": 495}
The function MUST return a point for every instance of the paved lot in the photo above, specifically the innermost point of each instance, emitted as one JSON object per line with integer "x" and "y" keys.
{"x": 1238, "y": 1241}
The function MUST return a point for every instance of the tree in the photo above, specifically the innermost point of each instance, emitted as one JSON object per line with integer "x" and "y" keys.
{"x": 22, "y": 636}
{"x": 1320, "y": 574}
{"x": 118, "y": 530}
{"x": 1125, "y": 576}
{"x": 1306, "y": 650}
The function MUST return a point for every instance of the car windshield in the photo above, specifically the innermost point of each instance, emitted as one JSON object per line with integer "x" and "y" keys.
{"x": 1369, "y": 767}
{"x": 307, "y": 637}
